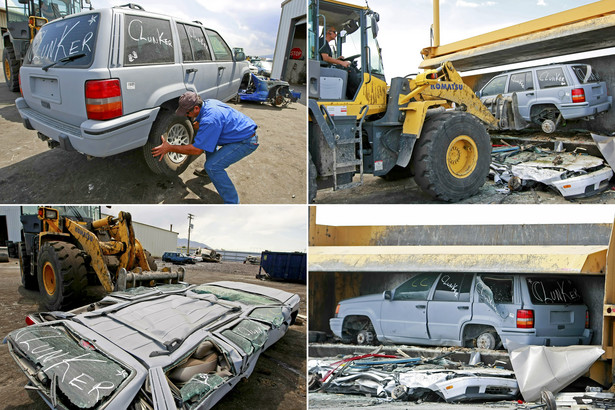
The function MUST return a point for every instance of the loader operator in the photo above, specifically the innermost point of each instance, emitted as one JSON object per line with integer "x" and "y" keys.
{"x": 217, "y": 126}
{"x": 325, "y": 50}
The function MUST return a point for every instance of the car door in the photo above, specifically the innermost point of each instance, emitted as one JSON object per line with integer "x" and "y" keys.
{"x": 228, "y": 76}
{"x": 450, "y": 306}
{"x": 404, "y": 315}
{"x": 523, "y": 84}
{"x": 496, "y": 300}
{"x": 200, "y": 71}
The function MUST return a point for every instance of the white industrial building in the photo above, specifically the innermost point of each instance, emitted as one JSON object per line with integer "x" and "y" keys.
{"x": 290, "y": 54}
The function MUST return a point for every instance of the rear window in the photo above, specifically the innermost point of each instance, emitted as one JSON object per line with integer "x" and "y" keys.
{"x": 585, "y": 74}
{"x": 547, "y": 291}
{"x": 551, "y": 77}
{"x": 61, "y": 39}
{"x": 147, "y": 41}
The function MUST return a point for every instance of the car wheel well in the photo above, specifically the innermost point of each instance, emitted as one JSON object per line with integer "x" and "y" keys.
{"x": 541, "y": 112}
{"x": 472, "y": 331}
{"x": 358, "y": 328}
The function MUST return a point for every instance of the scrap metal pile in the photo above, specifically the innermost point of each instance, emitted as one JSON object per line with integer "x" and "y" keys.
{"x": 572, "y": 174}
{"x": 405, "y": 378}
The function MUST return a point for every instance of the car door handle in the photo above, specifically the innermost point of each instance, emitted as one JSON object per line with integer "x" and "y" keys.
{"x": 192, "y": 70}
{"x": 221, "y": 68}
{"x": 463, "y": 307}
{"x": 421, "y": 306}
{"x": 529, "y": 93}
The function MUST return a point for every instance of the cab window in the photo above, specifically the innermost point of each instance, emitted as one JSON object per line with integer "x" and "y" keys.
{"x": 220, "y": 49}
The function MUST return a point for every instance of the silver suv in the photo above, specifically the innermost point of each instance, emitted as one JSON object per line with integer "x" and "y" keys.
{"x": 462, "y": 309}
{"x": 547, "y": 95}
{"x": 107, "y": 81}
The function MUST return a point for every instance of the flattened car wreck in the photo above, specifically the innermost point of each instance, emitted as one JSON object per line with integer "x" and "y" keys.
{"x": 174, "y": 346}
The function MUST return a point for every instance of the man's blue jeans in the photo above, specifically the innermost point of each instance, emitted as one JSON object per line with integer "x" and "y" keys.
{"x": 216, "y": 163}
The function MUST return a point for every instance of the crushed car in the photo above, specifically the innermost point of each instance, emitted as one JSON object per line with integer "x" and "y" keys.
{"x": 571, "y": 174}
{"x": 173, "y": 346}
{"x": 274, "y": 92}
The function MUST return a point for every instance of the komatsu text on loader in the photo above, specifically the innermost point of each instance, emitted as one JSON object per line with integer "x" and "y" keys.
{"x": 427, "y": 126}
{"x": 61, "y": 255}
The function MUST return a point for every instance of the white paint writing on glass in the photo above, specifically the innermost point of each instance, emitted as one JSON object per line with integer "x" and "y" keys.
{"x": 60, "y": 47}
{"x": 557, "y": 294}
{"x": 452, "y": 286}
{"x": 135, "y": 31}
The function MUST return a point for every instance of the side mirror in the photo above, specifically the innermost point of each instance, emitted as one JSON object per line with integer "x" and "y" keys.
{"x": 387, "y": 295}
{"x": 478, "y": 94}
{"x": 240, "y": 56}
{"x": 375, "y": 19}
{"x": 24, "y": 1}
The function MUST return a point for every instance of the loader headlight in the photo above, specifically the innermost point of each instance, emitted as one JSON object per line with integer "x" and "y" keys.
{"x": 47, "y": 213}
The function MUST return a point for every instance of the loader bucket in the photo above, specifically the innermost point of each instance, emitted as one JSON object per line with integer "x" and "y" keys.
{"x": 137, "y": 277}
{"x": 506, "y": 110}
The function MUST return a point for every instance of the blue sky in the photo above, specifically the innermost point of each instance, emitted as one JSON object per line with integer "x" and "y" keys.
{"x": 405, "y": 24}
{"x": 251, "y": 24}
{"x": 250, "y": 228}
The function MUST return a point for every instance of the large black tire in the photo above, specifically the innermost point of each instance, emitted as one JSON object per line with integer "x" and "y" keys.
{"x": 177, "y": 131}
{"x": 452, "y": 157}
{"x": 312, "y": 186}
{"x": 11, "y": 68}
{"x": 62, "y": 274}
{"x": 28, "y": 279}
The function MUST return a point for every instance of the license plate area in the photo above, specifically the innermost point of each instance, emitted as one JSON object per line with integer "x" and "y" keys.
{"x": 47, "y": 89}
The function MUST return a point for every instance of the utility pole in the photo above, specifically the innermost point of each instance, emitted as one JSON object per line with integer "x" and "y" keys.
{"x": 190, "y": 216}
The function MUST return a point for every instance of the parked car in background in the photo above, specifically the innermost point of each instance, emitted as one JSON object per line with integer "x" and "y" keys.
{"x": 106, "y": 81}
{"x": 263, "y": 67}
{"x": 548, "y": 95}
{"x": 465, "y": 309}
{"x": 189, "y": 259}
{"x": 176, "y": 258}
{"x": 173, "y": 346}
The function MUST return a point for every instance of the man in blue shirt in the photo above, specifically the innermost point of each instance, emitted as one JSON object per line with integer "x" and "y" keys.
{"x": 216, "y": 125}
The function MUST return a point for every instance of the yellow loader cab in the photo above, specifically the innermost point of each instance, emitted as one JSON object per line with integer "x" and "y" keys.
{"x": 360, "y": 125}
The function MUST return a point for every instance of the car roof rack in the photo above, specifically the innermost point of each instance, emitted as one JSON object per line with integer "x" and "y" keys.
{"x": 133, "y": 6}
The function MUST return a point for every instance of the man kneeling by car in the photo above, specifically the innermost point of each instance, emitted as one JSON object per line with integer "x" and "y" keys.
{"x": 216, "y": 125}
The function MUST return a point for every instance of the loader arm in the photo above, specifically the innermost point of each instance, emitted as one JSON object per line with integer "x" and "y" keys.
{"x": 92, "y": 246}
{"x": 444, "y": 83}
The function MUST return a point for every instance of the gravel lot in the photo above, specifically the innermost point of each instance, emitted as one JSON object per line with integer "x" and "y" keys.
{"x": 278, "y": 381}
{"x": 31, "y": 173}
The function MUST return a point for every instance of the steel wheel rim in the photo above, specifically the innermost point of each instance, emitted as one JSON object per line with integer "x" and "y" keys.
{"x": 49, "y": 279}
{"x": 7, "y": 69}
{"x": 483, "y": 341}
{"x": 462, "y": 156}
{"x": 177, "y": 135}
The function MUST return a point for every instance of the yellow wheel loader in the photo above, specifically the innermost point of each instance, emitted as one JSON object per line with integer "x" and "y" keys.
{"x": 427, "y": 126}
{"x": 61, "y": 255}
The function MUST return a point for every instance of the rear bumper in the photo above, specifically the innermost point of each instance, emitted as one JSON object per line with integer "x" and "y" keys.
{"x": 573, "y": 111}
{"x": 95, "y": 138}
{"x": 528, "y": 337}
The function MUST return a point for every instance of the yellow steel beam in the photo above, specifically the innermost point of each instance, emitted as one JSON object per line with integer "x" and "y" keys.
{"x": 590, "y": 260}
{"x": 578, "y": 14}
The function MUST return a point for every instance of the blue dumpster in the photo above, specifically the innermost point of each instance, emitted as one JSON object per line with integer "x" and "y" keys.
{"x": 287, "y": 266}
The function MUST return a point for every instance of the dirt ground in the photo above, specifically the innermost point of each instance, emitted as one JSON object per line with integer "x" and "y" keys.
{"x": 278, "y": 381}
{"x": 31, "y": 173}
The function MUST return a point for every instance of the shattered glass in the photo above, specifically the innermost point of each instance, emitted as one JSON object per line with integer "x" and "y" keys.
{"x": 200, "y": 386}
{"x": 83, "y": 375}
{"x": 235, "y": 295}
{"x": 273, "y": 315}
{"x": 248, "y": 335}
{"x": 494, "y": 291}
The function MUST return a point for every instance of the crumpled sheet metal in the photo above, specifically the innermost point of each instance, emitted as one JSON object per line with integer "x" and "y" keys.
{"x": 481, "y": 382}
{"x": 606, "y": 145}
{"x": 568, "y": 173}
{"x": 549, "y": 368}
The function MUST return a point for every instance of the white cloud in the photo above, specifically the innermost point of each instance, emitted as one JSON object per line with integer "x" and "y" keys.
{"x": 541, "y": 3}
{"x": 463, "y": 3}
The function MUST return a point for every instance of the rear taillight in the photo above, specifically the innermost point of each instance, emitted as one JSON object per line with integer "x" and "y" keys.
{"x": 337, "y": 310}
{"x": 30, "y": 321}
{"x": 587, "y": 319}
{"x": 525, "y": 318}
{"x": 103, "y": 99}
{"x": 578, "y": 95}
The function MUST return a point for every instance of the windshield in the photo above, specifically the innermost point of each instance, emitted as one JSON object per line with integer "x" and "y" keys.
{"x": 79, "y": 212}
{"x": 65, "y": 38}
